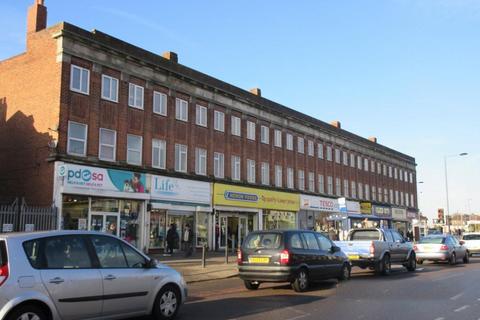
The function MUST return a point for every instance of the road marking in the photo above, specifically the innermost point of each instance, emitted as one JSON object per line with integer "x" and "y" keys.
{"x": 420, "y": 269}
{"x": 299, "y": 317}
{"x": 440, "y": 318}
{"x": 462, "y": 308}
{"x": 457, "y": 296}
{"x": 449, "y": 277}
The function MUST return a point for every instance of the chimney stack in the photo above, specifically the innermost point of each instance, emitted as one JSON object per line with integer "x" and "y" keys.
{"x": 373, "y": 139}
{"x": 37, "y": 17}
{"x": 256, "y": 91}
{"x": 170, "y": 55}
{"x": 336, "y": 124}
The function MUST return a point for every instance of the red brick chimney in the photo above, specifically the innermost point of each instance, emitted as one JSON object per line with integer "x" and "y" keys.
{"x": 37, "y": 17}
{"x": 336, "y": 124}
{"x": 373, "y": 139}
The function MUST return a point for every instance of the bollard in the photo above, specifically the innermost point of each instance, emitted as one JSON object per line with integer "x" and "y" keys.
{"x": 226, "y": 254}
{"x": 204, "y": 255}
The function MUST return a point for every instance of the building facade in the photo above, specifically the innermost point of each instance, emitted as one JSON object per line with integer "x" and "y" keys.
{"x": 82, "y": 101}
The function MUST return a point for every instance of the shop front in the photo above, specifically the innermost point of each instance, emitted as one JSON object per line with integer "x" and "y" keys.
{"x": 385, "y": 215}
{"x": 240, "y": 210}
{"x": 322, "y": 215}
{"x": 360, "y": 215}
{"x": 179, "y": 203}
{"x": 400, "y": 221}
{"x": 104, "y": 200}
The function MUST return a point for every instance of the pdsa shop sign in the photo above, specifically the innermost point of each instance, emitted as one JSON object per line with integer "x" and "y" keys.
{"x": 84, "y": 177}
{"x": 180, "y": 190}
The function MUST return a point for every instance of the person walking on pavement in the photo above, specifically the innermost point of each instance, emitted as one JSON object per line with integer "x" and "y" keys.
{"x": 171, "y": 238}
{"x": 187, "y": 240}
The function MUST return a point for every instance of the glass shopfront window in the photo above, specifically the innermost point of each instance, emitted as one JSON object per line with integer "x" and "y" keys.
{"x": 75, "y": 212}
{"x": 158, "y": 232}
{"x": 202, "y": 228}
{"x": 104, "y": 205}
{"x": 273, "y": 219}
{"x": 364, "y": 223}
{"x": 131, "y": 221}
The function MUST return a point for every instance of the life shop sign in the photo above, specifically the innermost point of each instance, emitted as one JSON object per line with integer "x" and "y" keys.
{"x": 101, "y": 179}
{"x": 318, "y": 203}
{"x": 180, "y": 190}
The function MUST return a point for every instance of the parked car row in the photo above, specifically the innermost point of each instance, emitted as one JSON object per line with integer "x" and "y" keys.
{"x": 301, "y": 257}
{"x": 83, "y": 275}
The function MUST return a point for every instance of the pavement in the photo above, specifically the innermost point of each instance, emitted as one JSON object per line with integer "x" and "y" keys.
{"x": 432, "y": 292}
{"x": 192, "y": 270}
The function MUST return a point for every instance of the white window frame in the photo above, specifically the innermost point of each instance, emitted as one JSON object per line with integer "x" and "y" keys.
{"x": 111, "y": 87}
{"x": 321, "y": 183}
{"x": 330, "y": 185}
{"x": 359, "y": 163}
{"x": 219, "y": 121}
{"x": 181, "y": 109}
{"x": 264, "y": 134}
{"x": 338, "y": 156}
{"x": 300, "y": 145}
{"x": 352, "y": 160}
{"x": 201, "y": 116}
{"x": 236, "y": 168}
{"x": 277, "y": 138}
{"x": 379, "y": 168}
{"x": 278, "y": 176}
{"x": 346, "y": 187}
{"x": 367, "y": 192}
{"x": 311, "y": 148}
{"x": 400, "y": 175}
{"x": 360, "y": 190}
{"x": 289, "y": 141}
{"x": 329, "y": 153}
{"x": 345, "y": 158}
{"x": 353, "y": 187}
{"x": 132, "y": 96}
{"x": 372, "y": 166}
{"x": 219, "y": 165}
{"x": 380, "y": 194}
{"x": 201, "y": 161}
{"x": 236, "y": 126}
{"x": 311, "y": 181}
{"x": 181, "y": 157}
{"x": 139, "y": 151}
{"x": 160, "y": 101}
{"x": 338, "y": 187}
{"x": 366, "y": 165}
{"x": 265, "y": 173}
{"x": 79, "y": 90}
{"x": 374, "y": 193}
{"x": 161, "y": 145}
{"x": 100, "y": 144}
{"x": 320, "y": 150}
{"x": 251, "y": 171}
{"x": 301, "y": 180}
{"x": 290, "y": 178}
{"x": 251, "y": 127}
{"x": 84, "y": 153}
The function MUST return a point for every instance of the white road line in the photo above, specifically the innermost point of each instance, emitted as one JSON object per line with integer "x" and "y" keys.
{"x": 420, "y": 269}
{"x": 449, "y": 277}
{"x": 440, "y": 318}
{"x": 462, "y": 308}
{"x": 299, "y": 317}
{"x": 455, "y": 297}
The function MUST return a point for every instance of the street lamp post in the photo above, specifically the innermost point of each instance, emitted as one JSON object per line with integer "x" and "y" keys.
{"x": 446, "y": 185}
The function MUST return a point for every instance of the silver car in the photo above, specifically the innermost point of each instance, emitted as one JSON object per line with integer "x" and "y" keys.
{"x": 83, "y": 275}
{"x": 441, "y": 248}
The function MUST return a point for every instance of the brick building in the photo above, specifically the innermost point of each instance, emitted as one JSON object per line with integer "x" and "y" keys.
{"x": 124, "y": 140}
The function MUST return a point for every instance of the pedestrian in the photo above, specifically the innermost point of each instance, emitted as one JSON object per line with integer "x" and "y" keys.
{"x": 187, "y": 241}
{"x": 171, "y": 237}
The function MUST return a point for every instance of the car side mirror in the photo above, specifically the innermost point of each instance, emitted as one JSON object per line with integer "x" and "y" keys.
{"x": 335, "y": 249}
{"x": 151, "y": 264}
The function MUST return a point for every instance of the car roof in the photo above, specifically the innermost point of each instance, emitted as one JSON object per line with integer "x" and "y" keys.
{"x": 22, "y": 236}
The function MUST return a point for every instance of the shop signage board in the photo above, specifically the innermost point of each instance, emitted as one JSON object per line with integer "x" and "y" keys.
{"x": 399, "y": 213}
{"x": 180, "y": 190}
{"x": 411, "y": 215}
{"x": 380, "y": 211}
{"x": 101, "y": 179}
{"x": 318, "y": 203}
{"x": 229, "y": 195}
{"x": 366, "y": 207}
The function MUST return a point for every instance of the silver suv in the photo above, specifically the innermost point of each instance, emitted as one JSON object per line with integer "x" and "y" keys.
{"x": 83, "y": 275}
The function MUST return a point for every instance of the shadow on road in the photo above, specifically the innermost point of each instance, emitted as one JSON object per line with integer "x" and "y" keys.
{"x": 231, "y": 308}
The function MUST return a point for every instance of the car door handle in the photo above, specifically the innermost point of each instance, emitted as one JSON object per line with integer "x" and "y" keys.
{"x": 110, "y": 277}
{"x": 56, "y": 280}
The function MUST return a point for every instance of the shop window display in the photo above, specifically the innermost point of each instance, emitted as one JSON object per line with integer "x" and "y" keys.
{"x": 75, "y": 212}
{"x": 130, "y": 221}
{"x": 278, "y": 220}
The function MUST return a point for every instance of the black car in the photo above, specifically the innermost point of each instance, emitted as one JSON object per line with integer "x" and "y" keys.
{"x": 295, "y": 256}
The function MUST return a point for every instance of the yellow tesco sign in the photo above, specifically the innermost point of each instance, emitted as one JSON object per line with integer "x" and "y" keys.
{"x": 228, "y": 195}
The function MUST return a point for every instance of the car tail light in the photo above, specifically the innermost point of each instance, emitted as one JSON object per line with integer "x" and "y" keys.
{"x": 444, "y": 247}
{"x": 284, "y": 257}
{"x": 239, "y": 257}
{"x": 372, "y": 249}
{"x": 3, "y": 274}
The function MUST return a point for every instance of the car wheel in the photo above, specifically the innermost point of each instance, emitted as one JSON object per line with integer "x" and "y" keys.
{"x": 167, "y": 303}
{"x": 420, "y": 261}
{"x": 300, "y": 284}
{"x": 466, "y": 258}
{"x": 28, "y": 312}
{"x": 412, "y": 263}
{"x": 384, "y": 265}
{"x": 453, "y": 259}
{"x": 251, "y": 285}
{"x": 344, "y": 272}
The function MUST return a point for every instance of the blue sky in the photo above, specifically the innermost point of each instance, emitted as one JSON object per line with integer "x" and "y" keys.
{"x": 406, "y": 71}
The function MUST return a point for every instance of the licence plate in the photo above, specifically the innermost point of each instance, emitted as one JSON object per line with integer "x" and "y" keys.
{"x": 259, "y": 260}
{"x": 353, "y": 256}
{"x": 427, "y": 248}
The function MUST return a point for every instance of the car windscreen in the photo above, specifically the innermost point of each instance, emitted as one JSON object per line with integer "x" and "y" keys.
{"x": 471, "y": 237}
{"x": 3, "y": 253}
{"x": 432, "y": 240}
{"x": 263, "y": 241}
{"x": 361, "y": 235}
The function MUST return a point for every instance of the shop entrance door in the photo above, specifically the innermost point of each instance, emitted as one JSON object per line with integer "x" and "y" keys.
{"x": 104, "y": 222}
{"x": 233, "y": 230}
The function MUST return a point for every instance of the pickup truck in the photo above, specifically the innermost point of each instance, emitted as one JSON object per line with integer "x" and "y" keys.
{"x": 377, "y": 249}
